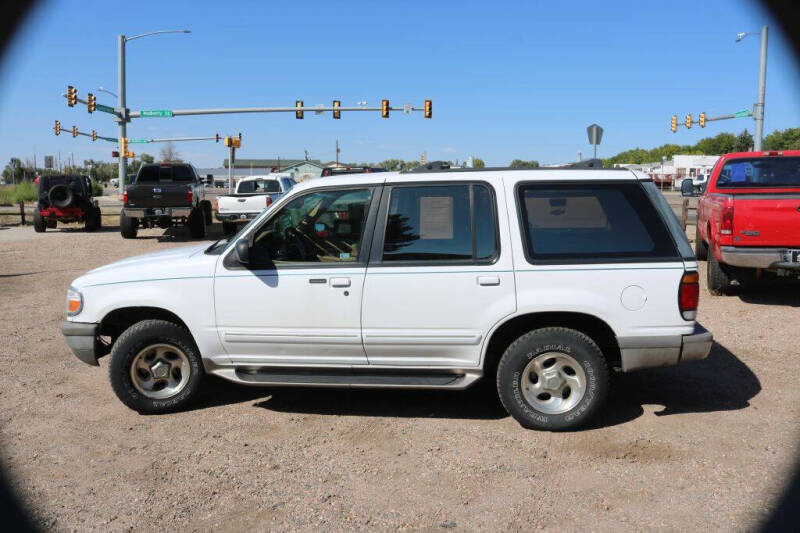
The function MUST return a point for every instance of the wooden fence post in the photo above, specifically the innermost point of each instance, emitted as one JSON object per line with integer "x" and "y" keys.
{"x": 684, "y": 212}
{"x": 22, "y": 212}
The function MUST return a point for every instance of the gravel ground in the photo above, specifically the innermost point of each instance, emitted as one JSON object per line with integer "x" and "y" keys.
{"x": 705, "y": 446}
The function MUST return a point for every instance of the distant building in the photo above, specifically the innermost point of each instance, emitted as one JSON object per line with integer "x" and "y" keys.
{"x": 304, "y": 170}
{"x": 268, "y": 163}
{"x": 672, "y": 172}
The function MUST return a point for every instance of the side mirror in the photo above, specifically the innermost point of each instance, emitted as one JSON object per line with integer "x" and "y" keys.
{"x": 687, "y": 187}
{"x": 243, "y": 251}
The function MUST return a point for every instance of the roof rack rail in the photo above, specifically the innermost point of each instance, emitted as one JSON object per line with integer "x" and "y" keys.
{"x": 444, "y": 166}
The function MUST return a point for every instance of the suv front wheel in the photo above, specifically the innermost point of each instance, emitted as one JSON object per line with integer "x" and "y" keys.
{"x": 553, "y": 379}
{"x": 155, "y": 367}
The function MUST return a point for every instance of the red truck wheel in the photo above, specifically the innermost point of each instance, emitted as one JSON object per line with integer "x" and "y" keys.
{"x": 719, "y": 281}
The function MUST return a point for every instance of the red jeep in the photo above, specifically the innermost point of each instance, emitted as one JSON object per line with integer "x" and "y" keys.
{"x": 65, "y": 199}
{"x": 748, "y": 218}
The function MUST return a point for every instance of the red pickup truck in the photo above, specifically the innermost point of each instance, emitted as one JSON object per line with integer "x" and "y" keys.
{"x": 748, "y": 218}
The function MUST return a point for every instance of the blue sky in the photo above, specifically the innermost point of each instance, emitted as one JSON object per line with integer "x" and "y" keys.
{"x": 508, "y": 79}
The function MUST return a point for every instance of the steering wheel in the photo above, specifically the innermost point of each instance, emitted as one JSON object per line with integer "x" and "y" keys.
{"x": 291, "y": 234}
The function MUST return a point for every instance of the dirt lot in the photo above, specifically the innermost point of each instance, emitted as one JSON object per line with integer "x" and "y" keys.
{"x": 705, "y": 446}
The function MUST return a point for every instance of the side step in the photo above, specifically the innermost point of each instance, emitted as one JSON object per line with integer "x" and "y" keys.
{"x": 346, "y": 377}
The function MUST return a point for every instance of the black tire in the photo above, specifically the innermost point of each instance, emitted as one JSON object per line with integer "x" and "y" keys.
{"x": 719, "y": 281}
{"x": 128, "y": 226}
{"x": 39, "y": 223}
{"x": 133, "y": 341}
{"x": 92, "y": 218}
{"x": 576, "y": 346}
{"x": 700, "y": 246}
{"x": 229, "y": 228}
{"x": 60, "y": 196}
{"x": 207, "y": 212}
{"x": 197, "y": 223}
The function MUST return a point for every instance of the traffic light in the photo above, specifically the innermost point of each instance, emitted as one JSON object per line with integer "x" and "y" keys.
{"x": 123, "y": 146}
{"x": 702, "y": 120}
{"x": 298, "y": 114}
{"x": 92, "y": 105}
{"x": 674, "y": 123}
{"x": 336, "y": 105}
{"x": 94, "y": 135}
{"x": 688, "y": 121}
{"x": 385, "y": 108}
{"x": 131, "y": 155}
{"x": 72, "y": 96}
{"x": 217, "y": 137}
{"x": 114, "y": 153}
{"x": 228, "y": 141}
{"x": 57, "y": 127}
{"x": 428, "y": 108}
{"x": 74, "y": 131}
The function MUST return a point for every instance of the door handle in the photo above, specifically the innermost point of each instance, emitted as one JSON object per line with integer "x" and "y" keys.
{"x": 340, "y": 282}
{"x": 488, "y": 281}
{"x": 321, "y": 281}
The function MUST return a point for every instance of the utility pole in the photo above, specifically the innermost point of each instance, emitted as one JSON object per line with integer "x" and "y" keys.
{"x": 122, "y": 117}
{"x": 337, "y": 152}
{"x": 758, "y": 116}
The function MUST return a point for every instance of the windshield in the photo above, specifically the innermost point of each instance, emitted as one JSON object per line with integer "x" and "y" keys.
{"x": 259, "y": 186}
{"x": 760, "y": 172}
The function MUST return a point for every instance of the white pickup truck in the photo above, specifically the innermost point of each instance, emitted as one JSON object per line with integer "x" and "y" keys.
{"x": 253, "y": 194}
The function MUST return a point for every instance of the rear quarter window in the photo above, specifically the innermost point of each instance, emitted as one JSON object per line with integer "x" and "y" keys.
{"x": 591, "y": 223}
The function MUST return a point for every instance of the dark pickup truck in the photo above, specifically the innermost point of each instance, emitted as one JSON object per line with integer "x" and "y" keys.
{"x": 164, "y": 195}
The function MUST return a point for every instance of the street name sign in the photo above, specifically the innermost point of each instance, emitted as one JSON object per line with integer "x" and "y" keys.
{"x": 137, "y": 141}
{"x": 741, "y": 114}
{"x": 104, "y": 108}
{"x": 157, "y": 113}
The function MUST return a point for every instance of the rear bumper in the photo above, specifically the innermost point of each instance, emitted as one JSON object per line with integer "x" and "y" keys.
{"x": 769, "y": 258}
{"x": 82, "y": 340}
{"x": 235, "y": 217}
{"x": 148, "y": 212}
{"x": 649, "y": 352}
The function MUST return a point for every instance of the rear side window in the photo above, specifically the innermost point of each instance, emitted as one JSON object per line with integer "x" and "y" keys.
{"x": 441, "y": 223}
{"x": 760, "y": 172}
{"x": 592, "y": 223}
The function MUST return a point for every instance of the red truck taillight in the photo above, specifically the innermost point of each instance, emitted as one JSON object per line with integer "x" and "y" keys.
{"x": 269, "y": 201}
{"x": 125, "y": 198}
{"x": 726, "y": 223}
{"x": 689, "y": 295}
{"x": 189, "y": 196}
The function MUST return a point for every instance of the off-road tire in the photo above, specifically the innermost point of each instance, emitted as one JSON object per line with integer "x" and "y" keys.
{"x": 229, "y": 228}
{"x": 197, "y": 223}
{"x": 719, "y": 281}
{"x": 208, "y": 212}
{"x": 128, "y": 226}
{"x": 553, "y": 339}
{"x": 138, "y": 337}
{"x": 92, "y": 218}
{"x": 39, "y": 223}
{"x": 700, "y": 246}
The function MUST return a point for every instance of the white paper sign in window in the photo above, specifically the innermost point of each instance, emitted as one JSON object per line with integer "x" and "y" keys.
{"x": 436, "y": 217}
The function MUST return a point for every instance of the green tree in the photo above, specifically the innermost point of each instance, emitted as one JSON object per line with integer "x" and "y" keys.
{"x": 788, "y": 139}
{"x": 477, "y": 162}
{"x": 519, "y": 163}
{"x": 743, "y": 142}
{"x": 392, "y": 164}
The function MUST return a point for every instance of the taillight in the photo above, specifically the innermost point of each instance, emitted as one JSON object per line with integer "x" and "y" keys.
{"x": 689, "y": 295}
{"x": 216, "y": 204}
{"x": 189, "y": 196}
{"x": 726, "y": 224}
{"x": 125, "y": 198}
{"x": 269, "y": 201}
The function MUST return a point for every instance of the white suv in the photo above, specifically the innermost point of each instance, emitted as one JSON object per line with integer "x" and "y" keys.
{"x": 542, "y": 280}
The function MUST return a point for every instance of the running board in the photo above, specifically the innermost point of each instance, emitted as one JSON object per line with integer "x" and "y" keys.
{"x": 346, "y": 377}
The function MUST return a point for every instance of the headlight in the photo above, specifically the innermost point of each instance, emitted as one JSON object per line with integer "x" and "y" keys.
{"x": 74, "y": 302}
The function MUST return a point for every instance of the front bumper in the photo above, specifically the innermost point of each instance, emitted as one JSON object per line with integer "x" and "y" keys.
{"x": 82, "y": 339}
{"x": 769, "y": 258}
{"x": 150, "y": 212}
{"x": 235, "y": 217}
{"x": 648, "y": 352}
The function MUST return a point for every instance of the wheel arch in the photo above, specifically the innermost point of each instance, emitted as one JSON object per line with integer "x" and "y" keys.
{"x": 510, "y": 330}
{"x": 116, "y": 321}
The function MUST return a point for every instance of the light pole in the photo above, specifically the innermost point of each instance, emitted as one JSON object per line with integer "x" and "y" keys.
{"x": 123, "y": 118}
{"x": 102, "y": 90}
{"x": 758, "y": 109}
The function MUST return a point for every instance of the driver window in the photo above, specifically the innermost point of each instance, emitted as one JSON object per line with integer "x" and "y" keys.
{"x": 323, "y": 226}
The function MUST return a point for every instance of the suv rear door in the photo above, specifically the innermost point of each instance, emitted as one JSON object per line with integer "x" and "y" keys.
{"x": 440, "y": 273}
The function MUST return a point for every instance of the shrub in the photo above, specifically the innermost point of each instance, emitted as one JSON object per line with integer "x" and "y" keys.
{"x": 14, "y": 194}
{"x": 97, "y": 188}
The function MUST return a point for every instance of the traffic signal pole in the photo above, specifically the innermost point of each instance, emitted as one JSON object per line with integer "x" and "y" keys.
{"x": 122, "y": 117}
{"x": 232, "y": 110}
{"x": 758, "y": 110}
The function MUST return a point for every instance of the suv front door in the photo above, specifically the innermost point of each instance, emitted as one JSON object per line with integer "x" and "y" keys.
{"x": 440, "y": 273}
{"x": 299, "y": 300}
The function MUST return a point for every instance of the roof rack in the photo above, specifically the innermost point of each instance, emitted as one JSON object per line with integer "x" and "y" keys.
{"x": 444, "y": 166}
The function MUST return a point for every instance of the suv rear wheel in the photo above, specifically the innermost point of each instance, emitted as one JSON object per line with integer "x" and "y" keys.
{"x": 128, "y": 226}
{"x": 92, "y": 218}
{"x": 155, "y": 367}
{"x": 39, "y": 223}
{"x": 700, "y": 246}
{"x": 719, "y": 282}
{"x": 553, "y": 379}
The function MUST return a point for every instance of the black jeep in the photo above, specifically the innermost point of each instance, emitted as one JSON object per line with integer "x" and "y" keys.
{"x": 65, "y": 199}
